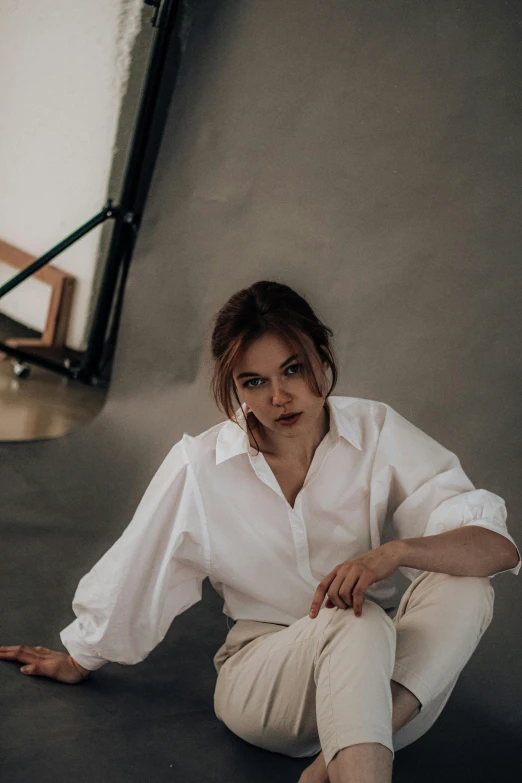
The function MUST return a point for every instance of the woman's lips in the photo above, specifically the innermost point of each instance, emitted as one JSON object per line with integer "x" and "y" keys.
{"x": 291, "y": 420}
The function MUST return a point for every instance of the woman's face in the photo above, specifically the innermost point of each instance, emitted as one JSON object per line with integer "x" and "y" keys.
{"x": 276, "y": 385}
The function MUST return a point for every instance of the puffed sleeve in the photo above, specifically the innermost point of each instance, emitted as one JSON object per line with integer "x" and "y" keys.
{"x": 153, "y": 572}
{"x": 429, "y": 492}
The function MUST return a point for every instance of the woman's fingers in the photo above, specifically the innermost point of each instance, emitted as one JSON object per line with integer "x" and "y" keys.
{"x": 24, "y": 654}
{"x": 333, "y": 594}
{"x": 20, "y": 652}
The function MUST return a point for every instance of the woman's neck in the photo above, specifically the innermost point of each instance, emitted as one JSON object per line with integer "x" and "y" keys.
{"x": 289, "y": 451}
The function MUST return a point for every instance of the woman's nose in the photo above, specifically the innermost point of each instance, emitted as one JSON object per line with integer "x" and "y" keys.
{"x": 280, "y": 397}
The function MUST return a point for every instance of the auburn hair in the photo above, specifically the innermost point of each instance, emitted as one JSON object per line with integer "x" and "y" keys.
{"x": 266, "y": 307}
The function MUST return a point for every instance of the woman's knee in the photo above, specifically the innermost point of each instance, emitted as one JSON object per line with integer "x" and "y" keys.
{"x": 469, "y": 588}
{"x": 373, "y": 626}
{"x": 470, "y": 597}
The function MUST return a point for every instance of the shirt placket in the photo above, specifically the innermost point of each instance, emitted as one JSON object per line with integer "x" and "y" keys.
{"x": 298, "y": 527}
{"x": 295, "y": 515}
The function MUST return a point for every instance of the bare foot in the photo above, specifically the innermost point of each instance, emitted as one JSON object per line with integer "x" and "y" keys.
{"x": 316, "y": 772}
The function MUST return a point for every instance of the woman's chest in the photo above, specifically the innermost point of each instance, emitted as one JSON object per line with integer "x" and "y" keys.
{"x": 290, "y": 478}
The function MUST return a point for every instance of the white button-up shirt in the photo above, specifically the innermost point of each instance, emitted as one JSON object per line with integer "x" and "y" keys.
{"x": 214, "y": 508}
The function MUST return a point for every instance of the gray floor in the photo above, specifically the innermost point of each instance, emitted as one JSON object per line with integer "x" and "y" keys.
{"x": 252, "y": 184}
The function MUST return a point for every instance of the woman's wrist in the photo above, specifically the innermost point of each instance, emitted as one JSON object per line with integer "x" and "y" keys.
{"x": 83, "y": 671}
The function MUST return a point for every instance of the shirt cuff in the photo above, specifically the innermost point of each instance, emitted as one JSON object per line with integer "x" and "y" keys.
{"x": 80, "y": 651}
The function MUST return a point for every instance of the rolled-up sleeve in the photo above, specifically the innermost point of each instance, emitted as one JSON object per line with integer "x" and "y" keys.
{"x": 429, "y": 492}
{"x": 153, "y": 572}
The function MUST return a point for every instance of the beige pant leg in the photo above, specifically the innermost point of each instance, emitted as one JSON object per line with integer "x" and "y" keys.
{"x": 440, "y": 621}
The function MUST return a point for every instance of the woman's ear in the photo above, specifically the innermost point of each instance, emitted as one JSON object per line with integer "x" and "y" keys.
{"x": 326, "y": 364}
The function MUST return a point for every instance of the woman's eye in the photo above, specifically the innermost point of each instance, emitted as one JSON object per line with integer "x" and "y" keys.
{"x": 246, "y": 384}
{"x": 294, "y": 365}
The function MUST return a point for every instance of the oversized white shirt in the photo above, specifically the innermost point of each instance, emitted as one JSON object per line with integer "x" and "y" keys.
{"x": 214, "y": 508}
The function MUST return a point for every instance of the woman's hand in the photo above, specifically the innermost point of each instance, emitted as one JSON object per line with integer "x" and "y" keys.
{"x": 348, "y": 582}
{"x": 47, "y": 663}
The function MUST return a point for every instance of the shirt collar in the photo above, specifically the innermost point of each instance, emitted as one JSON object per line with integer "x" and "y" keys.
{"x": 233, "y": 438}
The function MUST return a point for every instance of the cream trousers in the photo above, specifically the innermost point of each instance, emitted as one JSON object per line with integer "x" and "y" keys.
{"x": 324, "y": 683}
